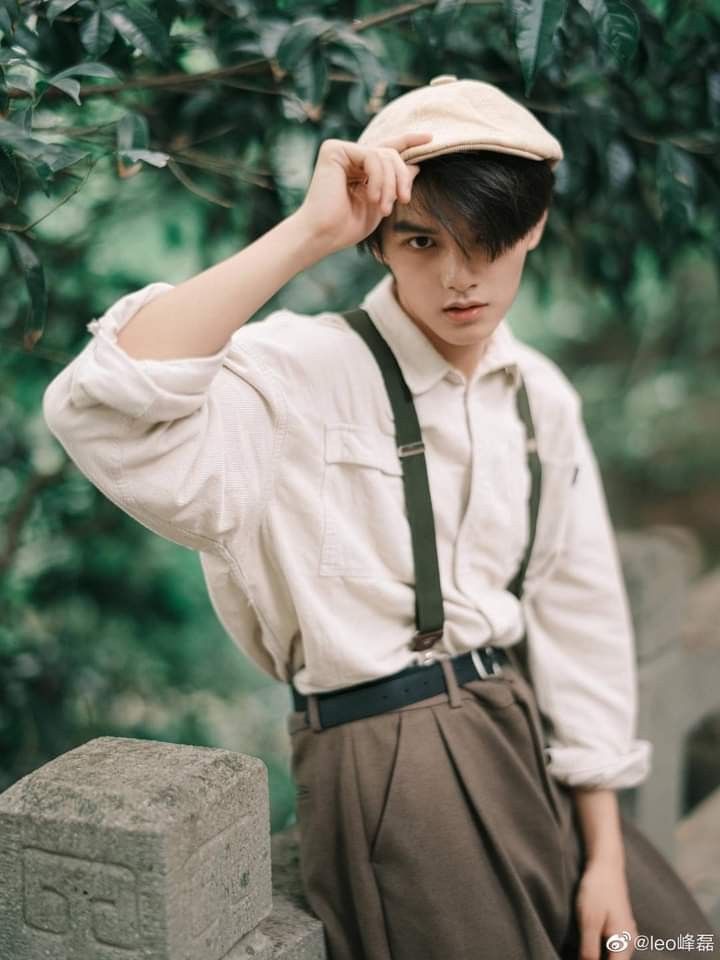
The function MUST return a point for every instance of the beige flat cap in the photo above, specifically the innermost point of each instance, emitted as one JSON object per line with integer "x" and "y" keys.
{"x": 462, "y": 115}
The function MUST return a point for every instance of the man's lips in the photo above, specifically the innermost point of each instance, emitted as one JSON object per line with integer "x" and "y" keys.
{"x": 463, "y": 304}
{"x": 466, "y": 312}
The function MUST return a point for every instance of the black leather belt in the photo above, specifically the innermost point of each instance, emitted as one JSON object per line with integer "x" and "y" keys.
{"x": 399, "y": 689}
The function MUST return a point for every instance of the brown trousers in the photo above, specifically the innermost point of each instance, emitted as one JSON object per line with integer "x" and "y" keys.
{"x": 434, "y": 832}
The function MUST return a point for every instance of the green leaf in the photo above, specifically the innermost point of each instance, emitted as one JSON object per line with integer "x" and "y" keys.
{"x": 97, "y": 34}
{"x": 68, "y": 86}
{"x": 269, "y": 37}
{"x": 141, "y": 28}
{"x": 299, "y": 40}
{"x": 355, "y": 41}
{"x": 9, "y": 16}
{"x": 72, "y": 87}
{"x": 617, "y": 26}
{"x": 677, "y": 185}
{"x": 13, "y": 134}
{"x": 532, "y": 25}
{"x": 154, "y": 157}
{"x": 10, "y": 56}
{"x": 310, "y": 77}
{"x": 354, "y": 54}
{"x": 47, "y": 159}
{"x": 358, "y": 102}
{"x": 23, "y": 118}
{"x": 9, "y": 176}
{"x": 58, "y": 156}
{"x": 596, "y": 9}
{"x": 89, "y": 69}
{"x": 132, "y": 132}
{"x": 56, "y": 7}
{"x": 20, "y": 80}
{"x": 621, "y": 31}
{"x": 55, "y": 157}
{"x": 132, "y": 137}
{"x": 28, "y": 264}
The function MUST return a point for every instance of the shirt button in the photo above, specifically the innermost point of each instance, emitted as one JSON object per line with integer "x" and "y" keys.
{"x": 454, "y": 377}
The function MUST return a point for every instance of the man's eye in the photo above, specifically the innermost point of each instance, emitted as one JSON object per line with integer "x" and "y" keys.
{"x": 423, "y": 247}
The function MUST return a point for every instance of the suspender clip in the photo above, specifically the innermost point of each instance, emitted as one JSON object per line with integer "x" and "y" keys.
{"x": 410, "y": 449}
{"x": 423, "y": 641}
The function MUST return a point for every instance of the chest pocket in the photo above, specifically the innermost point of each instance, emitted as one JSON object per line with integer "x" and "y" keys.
{"x": 365, "y": 528}
{"x": 559, "y": 477}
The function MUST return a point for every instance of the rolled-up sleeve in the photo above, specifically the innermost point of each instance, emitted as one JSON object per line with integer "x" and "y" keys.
{"x": 185, "y": 446}
{"x": 581, "y": 646}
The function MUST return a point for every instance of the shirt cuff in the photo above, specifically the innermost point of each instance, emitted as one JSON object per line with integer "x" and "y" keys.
{"x": 586, "y": 766}
{"x": 103, "y": 373}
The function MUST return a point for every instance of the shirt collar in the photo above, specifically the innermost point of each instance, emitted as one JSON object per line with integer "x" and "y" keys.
{"x": 421, "y": 364}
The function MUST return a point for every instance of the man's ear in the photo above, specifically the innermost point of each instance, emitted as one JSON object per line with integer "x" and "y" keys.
{"x": 535, "y": 234}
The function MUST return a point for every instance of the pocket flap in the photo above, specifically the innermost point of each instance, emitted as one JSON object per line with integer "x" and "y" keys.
{"x": 363, "y": 446}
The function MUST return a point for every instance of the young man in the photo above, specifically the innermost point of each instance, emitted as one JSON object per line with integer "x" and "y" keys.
{"x": 438, "y": 819}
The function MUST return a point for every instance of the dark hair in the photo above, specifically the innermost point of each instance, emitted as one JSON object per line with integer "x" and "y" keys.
{"x": 496, "y": 198}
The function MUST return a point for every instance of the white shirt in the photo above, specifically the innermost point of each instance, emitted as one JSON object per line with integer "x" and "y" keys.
{"x": 275, "y": 458}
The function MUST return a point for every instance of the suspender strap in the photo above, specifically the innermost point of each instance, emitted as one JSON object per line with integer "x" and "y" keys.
{"x": 428, "y": 594}
{"x": 411, "y": 450}
{"x": 533, "y": 461}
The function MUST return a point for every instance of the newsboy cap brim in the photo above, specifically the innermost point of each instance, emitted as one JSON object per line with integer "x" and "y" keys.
{"x": 462, "y": 115}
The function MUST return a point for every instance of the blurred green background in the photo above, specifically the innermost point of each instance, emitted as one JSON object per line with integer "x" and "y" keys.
{"x": 193, "y": 131}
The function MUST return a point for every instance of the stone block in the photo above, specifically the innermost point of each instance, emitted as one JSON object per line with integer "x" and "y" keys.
{"x": 134, "y": 850}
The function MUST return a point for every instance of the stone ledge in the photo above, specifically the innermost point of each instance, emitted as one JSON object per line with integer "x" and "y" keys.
{"x": 294, "y": 932}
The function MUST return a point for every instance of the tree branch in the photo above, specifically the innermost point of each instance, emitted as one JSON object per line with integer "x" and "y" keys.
{"x": 186, "y": 181}
{"x": 259, "y": 65}
{"x": 56, "y": 356}
{"x": 19, "y": 228}
{"x": 20, "y": 513}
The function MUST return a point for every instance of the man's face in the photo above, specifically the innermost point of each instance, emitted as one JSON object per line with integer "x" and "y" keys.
{"x": 432, "y": 272}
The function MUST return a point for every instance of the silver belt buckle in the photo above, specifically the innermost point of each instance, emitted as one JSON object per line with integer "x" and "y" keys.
{"x": 480, "y": 666}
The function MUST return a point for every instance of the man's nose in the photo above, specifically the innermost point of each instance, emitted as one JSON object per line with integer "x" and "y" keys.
{"x": 457, "y": 272}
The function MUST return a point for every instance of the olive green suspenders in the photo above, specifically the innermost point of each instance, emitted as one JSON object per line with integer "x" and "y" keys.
{"x": 411, "y": 450}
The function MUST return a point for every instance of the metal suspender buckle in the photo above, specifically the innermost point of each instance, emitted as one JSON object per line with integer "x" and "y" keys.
{"x": 410, "y": 449}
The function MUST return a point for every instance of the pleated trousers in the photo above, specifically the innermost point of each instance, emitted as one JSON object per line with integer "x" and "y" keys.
{"x": 435, "y": 832}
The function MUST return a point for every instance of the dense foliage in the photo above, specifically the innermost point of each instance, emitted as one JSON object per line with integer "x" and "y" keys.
{"x": 144, "y": 141}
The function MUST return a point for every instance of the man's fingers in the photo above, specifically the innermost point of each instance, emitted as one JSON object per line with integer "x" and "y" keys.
{"x": 376, "y": 174}
{"x": 590, "y": 928}
{"x": 406, "y": 173}
{"x": 389, "y": 177}
{"x": 406, "y": 140}
{"x": 390, "y": 186}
